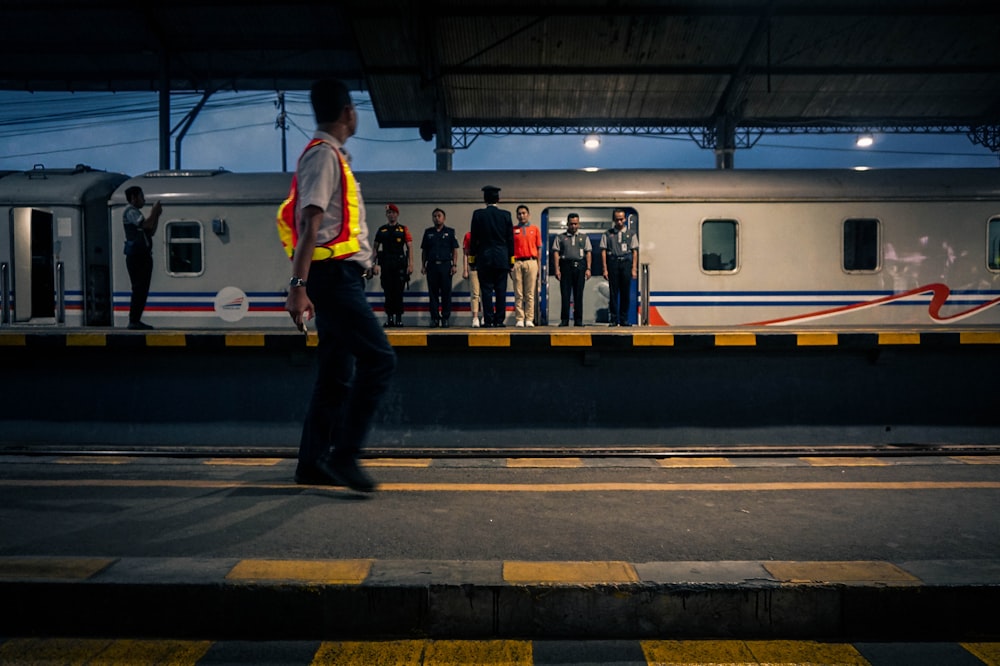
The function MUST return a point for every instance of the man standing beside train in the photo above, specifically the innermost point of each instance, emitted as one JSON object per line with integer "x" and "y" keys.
{"x": 527, "y": 244}
{"x": 139, "y": 231}
{"x": 439, "y": 259}
{"x": 394, "y": 257}
{"x": 330, "y": 259}
{"x": 492, "y": 252}
{"x": 571, "y": 252}
{"x": 620, "y": 255}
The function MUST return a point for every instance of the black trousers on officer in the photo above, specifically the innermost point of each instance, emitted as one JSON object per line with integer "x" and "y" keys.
{"x": 439, "y": 286}
{"x": 619, "y": 289}
{"x": 573, "y": 278}
{"x": 140, "y": 271}
{"x": 393, "y": 278}
{"x": 493, "y": 292}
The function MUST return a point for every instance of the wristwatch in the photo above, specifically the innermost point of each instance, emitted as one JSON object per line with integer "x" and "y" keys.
{"x": 296, "y": 282}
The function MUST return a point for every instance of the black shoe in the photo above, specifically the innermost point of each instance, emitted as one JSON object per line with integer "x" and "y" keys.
{"x": 444, "y": 323}
{"x": 578, "y": 323}
{"x": 435, "y": 323}
{"x": 309, "y": 475}
{"x": 614, "y": 323}
{"x": 564, "y": 323}
{"x": 139, "y": 326}
{"x": 389, "y": 323}
{"x": 345, "y": 472}
{"x": 625, "y": 323}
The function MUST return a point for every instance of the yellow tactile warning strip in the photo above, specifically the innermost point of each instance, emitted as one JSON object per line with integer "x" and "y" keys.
{"x": 244, "y": 462}
{"x": 987, "y": 652}
{"x": 568, "y": 573}
{"x": 396, "y": 462}
{"x": 52, "y": 568}
{"x": 840, "y": 572}
{"x": 425, "y": 653}
{"x": 101, "y": 651}
{"x": 95, "y": 460}
{"x": 559, "y": 463}
{"x": 325, "y": 572}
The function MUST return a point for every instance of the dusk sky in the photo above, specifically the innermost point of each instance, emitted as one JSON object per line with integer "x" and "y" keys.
{"x": 237, "y": 131}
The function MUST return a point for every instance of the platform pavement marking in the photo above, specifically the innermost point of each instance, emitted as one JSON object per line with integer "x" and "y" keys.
{"x": 704, "y": 461}
{"x": 52, "y": 568}
{"x": 845, "y": 461}
{"x": 989, "y": 653}
{"x": 102, "y": 651}
{"x": 570, "y": 340}
{"x": 979, "y": 338}
{"x": 840, "y": 572}
{"x": 735, "y": 339}
{"x": 166, "y": 340}
{"x": 749, "y": 653}
{"x": 563, "y": 463}
{"x": 325, "y": 572}
{"x": 96, "y": 460}
{"x": 245, "y": 340}
{"x": 244, "y": 462}
{"x": 898, "y": 339}
{"x": 13, "y": 340}
{"x": 816, "y": 339}
{"x": 658, "y": 340}
{"x": 396, "y": 462}
{"x": 573, "y": 573}
{"x": 86, "y": 340}
{"x": 397, "y": 339}
{"x": 425, "y": 653}
{"x": 490, "y": 339}
{"x": 977, "y": 460}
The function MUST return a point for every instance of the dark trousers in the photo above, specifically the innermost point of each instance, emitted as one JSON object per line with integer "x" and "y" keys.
{"x": 393, "y": 283}
{"x": 619, "y": 289}
{"x": 439, "y": 285}
{"x": 140, "y": 272}
{"x": 356, "y": 363}
{"x": 493, "y": 290}
{"x": 573, "y": 277}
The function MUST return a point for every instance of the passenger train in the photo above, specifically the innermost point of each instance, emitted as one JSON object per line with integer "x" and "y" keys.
{"x": 836, "y": 249}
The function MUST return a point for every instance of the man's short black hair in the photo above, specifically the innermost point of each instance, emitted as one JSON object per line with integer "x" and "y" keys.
{"x": 329, "y": 97}
{"x": 132, "y": 192}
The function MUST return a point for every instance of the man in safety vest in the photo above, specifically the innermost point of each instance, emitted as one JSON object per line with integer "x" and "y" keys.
{"x": 329, "y": 262}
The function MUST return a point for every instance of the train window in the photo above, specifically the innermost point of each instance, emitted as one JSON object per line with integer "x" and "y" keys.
{"x": 718, "y": 246}
{"x": 184, "y": 248}
{"x": 993, "y": 247}
{"x": 861, "y": 245}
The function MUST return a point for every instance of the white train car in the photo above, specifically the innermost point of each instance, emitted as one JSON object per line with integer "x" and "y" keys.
{"x": 55, "y": 266}
{"x": 717, "y": 248}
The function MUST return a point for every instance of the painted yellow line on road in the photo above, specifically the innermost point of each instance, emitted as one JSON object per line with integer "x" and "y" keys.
{"x": 326, "y": 572}
{"x": 52, "y": 568}
{"x": 101, "y": 651}
{"x": 840, "y": 572}
{"x": 675, "y": 463}
{"x": 518, "y": 487}
{"x": 559, "y": 463}
{"x": 846, "y": 461}
{"x": 574, "y": 573}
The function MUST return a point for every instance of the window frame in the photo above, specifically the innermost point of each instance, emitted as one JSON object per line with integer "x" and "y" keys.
{"x": 879, "y": 253}
{"x": 991, "y": 265}
{"x": 170, "y": 242}
{"x": 737, "y": 262}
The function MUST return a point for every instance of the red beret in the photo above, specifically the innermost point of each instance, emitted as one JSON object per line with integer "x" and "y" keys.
{"x": 393, "y": 208}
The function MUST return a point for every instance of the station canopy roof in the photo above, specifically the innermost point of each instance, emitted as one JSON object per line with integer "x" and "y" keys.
{"x": 540, "y": 63}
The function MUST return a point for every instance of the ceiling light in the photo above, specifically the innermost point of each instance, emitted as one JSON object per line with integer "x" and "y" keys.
{"x": 592, "y": 141}
{"x": 865, "y": 140}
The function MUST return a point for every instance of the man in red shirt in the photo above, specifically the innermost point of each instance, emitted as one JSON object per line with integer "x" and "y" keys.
{"x": 527, "y": 243}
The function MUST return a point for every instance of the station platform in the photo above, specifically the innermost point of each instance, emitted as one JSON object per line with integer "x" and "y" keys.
{"x": 851, "y": 548}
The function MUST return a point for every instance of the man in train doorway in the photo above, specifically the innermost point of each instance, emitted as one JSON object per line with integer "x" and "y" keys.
{"x": 527, "y": 244}
{"x": 439, "y": 259}
{"x": 571, "y": 253}
{"x": 394, "y": 257}
{"x": 620, "y": 256}
{"x": 492, "y": 252}
{"x": 331, "y": 256}
{"x": 139, "y": 231}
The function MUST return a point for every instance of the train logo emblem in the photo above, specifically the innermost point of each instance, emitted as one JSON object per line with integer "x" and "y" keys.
{"x": 231, "y": 304}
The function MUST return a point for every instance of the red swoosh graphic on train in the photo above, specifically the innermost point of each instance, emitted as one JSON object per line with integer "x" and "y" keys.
{"x": 940, "y": 292}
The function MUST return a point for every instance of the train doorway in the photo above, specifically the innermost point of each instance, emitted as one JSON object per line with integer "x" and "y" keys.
{"x": 594, "y": 221}
{"x": 34, "y": 266}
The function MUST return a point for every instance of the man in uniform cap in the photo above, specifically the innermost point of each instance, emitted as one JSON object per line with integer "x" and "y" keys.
{"x": 491, "y": 250}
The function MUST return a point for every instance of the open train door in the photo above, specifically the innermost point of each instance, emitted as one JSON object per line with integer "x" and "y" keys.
{"x": 33, "y": 260}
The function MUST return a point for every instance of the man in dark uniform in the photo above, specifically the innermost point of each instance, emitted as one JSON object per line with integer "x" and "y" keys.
{"x": 394, "y": 257}
{"x": 439, "y": 255}
{"x": 571, "y": 253}
{"x": 492, "y": 252}
{"x": 619, "y": 254}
